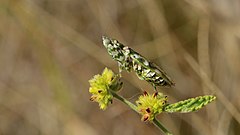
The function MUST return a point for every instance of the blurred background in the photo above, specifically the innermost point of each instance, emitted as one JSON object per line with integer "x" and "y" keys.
{"x": 49, "y": 49}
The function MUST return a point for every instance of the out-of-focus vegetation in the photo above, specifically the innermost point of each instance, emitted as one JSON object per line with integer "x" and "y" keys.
{"x": 49, "y": 49}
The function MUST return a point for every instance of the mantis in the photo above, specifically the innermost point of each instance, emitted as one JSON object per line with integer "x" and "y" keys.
{"x": 130, "y": 60}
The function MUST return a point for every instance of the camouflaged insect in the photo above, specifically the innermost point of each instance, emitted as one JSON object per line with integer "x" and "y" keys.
{"x": 115, "y": 50}
{"x": 147, "y": 70}
{"x": 130, "y": 60}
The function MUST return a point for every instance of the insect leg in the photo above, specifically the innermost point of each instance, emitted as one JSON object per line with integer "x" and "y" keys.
{"x": 120, "y": 68}
{"x": 155, "y": 87}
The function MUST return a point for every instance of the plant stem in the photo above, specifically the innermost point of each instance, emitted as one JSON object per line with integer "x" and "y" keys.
{"x": 159, "y": 125}
{"x": 134, "y": 107}
{"x": 125, "y": 101}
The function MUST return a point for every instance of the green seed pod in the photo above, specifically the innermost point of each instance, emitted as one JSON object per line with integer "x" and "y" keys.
{"x": 189, "y": 105}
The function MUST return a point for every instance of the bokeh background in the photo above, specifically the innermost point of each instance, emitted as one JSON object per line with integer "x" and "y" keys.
{"x": 49, "y": 49}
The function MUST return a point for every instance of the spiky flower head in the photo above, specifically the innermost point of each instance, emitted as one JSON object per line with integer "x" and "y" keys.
{"x": 101, "y": 85}
{"x": 150, "y": 105}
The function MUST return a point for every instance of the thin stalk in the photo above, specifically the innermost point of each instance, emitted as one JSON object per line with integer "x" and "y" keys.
{"x": 134, "y": 107}
{"x": 160, "y": 126}
{"x": 125, "y": 101}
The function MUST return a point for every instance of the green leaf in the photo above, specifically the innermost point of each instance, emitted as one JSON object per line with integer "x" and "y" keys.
{"x": 189, "y": 105}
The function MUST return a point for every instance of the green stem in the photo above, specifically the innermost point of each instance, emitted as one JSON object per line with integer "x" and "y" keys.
{"x": 125, "y": 101}
{"x": 134, "y": 107}
{"x": 159, "y": 125}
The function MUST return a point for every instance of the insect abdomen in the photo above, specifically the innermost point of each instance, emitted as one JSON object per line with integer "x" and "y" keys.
{"x": 146, "y": 70}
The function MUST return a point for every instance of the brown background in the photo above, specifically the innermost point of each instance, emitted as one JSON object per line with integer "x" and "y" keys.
{"x": 49, "y": 49}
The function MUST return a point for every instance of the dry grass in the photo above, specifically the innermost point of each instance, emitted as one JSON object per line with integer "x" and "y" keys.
{"x": 49, "y": 49}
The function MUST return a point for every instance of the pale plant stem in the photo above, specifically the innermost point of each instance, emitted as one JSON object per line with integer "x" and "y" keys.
{"x": 134, "y": 107}
{"x": 160, "y": 126}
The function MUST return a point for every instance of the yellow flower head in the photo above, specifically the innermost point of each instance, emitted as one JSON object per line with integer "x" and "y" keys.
{"x": 150, "y": 105}
{"x": 101, "y": 85}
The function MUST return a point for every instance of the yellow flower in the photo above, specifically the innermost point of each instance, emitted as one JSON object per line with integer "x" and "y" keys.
{"x": 101, "y": 87}
{"x": 150, "y": 105}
